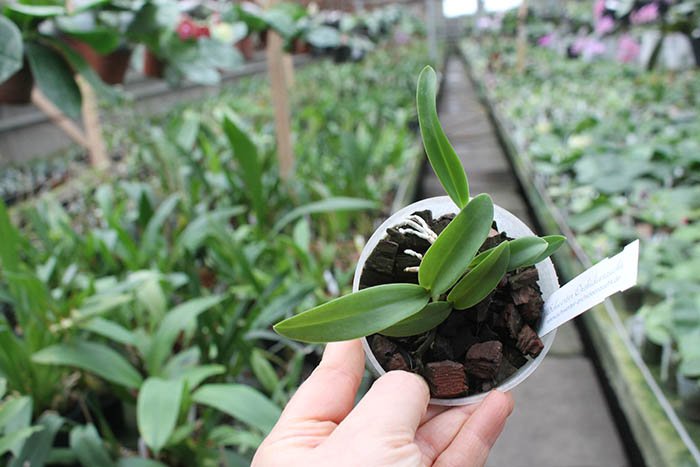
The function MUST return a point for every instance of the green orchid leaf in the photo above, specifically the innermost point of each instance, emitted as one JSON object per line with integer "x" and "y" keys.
{"x": 480, "y": 281}
{"x": 88, "y": 447}
{"x": 249, "y": 163}
{"x": 264, "y": 371}
{"x": 356, "y": 315}
{"x": 83, "y": 68}
{"x": 441, "y": 155}
{"x": 93, "y": 357}
{"x": 138, "y": 462}
{"x": 194, "y": 376}
{"x": 55, "y": 78}
{"x": 181, "y": 319}
{"x": 553, "y": 244}
{"x": 11, "y": 54}
{"x": 157, "y": 408}
{"x": 205, "y": 225}
{"x": 448, "y": 258}
{"x": 36, "y": 449}
{"x": 325, "y": 205}
{"x": 153, "y": 234}
{"x": 240, "y": 402}
{"x": 20, "y": 10}
{"x": 16, "y": 438}
{"x": 524, "y": 251}
{"x": 429, "y": 317}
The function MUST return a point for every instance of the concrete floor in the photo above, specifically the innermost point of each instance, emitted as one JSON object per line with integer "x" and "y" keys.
{"x": 561, "y": 418}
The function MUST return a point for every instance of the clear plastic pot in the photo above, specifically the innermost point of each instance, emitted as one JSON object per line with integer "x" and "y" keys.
{"x": 506, "y": 222}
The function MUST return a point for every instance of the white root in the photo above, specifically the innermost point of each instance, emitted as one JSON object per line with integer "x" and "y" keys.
{"x": 418, "y": 227}
{"x": 411, "y": 269}
{"x": 408, "y": 251}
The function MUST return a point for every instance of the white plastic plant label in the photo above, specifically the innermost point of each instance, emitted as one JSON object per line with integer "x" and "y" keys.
{"x": 591, "y": 287}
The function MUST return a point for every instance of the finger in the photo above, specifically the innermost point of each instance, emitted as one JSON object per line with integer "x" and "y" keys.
{"x": 432, "y": 412}
{"x": 435, "y": 435}
{"x": 473, "y": 442}
{"x": 329, "y": 393}
{"x": 395, "y": 404}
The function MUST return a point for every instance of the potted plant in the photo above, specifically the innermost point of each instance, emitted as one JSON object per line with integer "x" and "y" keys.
{"x": 29, "y": 51}
{"x": 311, "y": 32}
{"x": 192, "y": 45}
{"x": 98, "y": 34}
{"x": 252, "y": 16}
{"x": 440, "y": 291}
{"x": 16, "y": 79}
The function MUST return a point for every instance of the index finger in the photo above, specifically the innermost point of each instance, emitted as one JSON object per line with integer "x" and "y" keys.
{"x": 329, "y": 393}
{"x": 472, "y": 444}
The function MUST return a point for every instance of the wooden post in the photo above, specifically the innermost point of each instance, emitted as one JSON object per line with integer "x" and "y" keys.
{"x": 93, "y": 127}
{"x": 521, "y": 45}
{"x": 280, "y": 100}
{"x": 288, "y": 70}
{"x": 58, "y": 118}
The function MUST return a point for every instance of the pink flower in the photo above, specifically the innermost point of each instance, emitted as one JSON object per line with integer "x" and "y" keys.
{"x": 187, "y": 29}
{"x": 578, "y": 45}
{"x": 627, "y": 49}
{"x": 604, "y": 25}
{"x": 646, "y": 14}
{"x": 592, "y": 48}
{"x": 598, "y": 8}
{"x": 587, "y": 47}
{"x": 546, "y": 41}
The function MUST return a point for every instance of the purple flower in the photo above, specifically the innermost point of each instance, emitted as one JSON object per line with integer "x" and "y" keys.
{"x": 546, "y": 41}
{"x": 646, "y": 14}
{"x": 627, "y": 49}
{"x": 604, "y": 25}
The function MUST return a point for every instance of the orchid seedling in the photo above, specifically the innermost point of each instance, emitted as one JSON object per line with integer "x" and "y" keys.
{"x": 452, "y": 274}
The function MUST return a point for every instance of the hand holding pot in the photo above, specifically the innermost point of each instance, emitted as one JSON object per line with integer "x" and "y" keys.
{"x": 391, "y": 425}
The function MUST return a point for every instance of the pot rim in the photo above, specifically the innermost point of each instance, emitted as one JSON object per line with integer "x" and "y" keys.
{"x": 507, "y": 222}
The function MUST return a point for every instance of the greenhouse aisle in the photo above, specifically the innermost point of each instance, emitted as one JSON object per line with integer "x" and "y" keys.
{"x": 561, "y": 418}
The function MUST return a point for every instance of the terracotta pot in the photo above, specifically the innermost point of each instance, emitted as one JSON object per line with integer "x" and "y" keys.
{"x": 152, "y": 65}
{"x": 18, "y": 87}
{"x": 111, "y": 67}
{"x": 247, "y": 47}
{"x": 301, "y": 46}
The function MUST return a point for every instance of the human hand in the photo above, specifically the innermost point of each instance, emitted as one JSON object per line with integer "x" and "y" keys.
{"x": 391, "y": 425}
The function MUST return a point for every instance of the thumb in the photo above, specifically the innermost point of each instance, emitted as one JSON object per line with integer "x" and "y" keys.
{"x": 394, "y": 405}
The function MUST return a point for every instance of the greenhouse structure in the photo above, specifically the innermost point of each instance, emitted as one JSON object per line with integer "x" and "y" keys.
{"x": 350, "y": 233}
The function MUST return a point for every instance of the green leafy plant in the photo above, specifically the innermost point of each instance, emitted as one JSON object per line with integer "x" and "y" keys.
{"x": 615, "y": 171}
{"x": 153, "y": 295}
{"x": 52, "y": 62}
{"x": 451, "y": 275}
